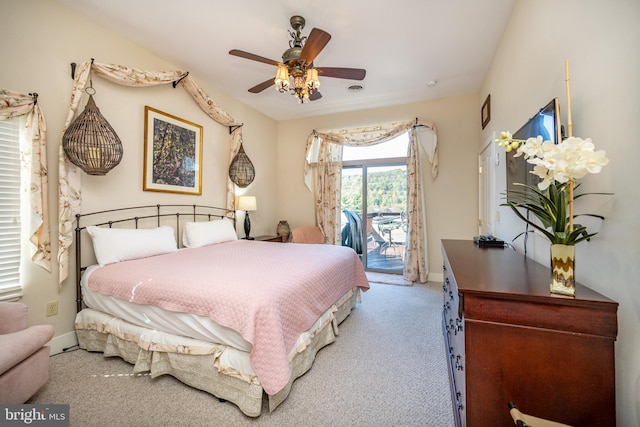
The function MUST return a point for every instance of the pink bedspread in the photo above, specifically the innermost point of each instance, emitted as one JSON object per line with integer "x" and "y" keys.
{"x": 268, "y": 292}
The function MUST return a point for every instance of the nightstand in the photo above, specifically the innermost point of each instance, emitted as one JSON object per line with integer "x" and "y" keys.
{"x": 279, "y": 239}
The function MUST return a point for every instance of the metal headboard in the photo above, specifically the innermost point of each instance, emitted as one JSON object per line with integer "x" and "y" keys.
{"x": 146, "y": 215}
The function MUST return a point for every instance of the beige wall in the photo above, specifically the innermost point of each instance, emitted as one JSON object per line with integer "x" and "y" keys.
{"x": 451, "y": 198}
{"x": 41, "y": 39}
{"x": 600, "y": 40}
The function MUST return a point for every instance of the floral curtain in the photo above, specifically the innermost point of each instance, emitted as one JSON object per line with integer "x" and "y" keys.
{"x": 329, "y": 182}
{"x": 34, "y": 159}
{"x": 324, "y": 148}
{"x": 69, "y": 175}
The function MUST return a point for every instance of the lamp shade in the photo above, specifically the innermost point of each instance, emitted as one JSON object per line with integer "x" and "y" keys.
{"x": 312, "y": 79}
{"x": 247, "y": 203}
{"x": 282, "y": 79}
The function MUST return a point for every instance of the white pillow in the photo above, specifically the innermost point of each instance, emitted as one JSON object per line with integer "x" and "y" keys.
{"x": 119, "y": 244}
{"x": 196, "y": 234}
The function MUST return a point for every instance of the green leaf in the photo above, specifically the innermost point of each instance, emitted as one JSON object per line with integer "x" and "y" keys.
{"x": 550, "y": 207}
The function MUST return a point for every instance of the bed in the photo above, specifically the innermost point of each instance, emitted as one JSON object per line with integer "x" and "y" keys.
{"x": 236, "y": 318}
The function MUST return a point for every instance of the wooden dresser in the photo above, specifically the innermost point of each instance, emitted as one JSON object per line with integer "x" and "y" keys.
{"x": 509, "y": 339}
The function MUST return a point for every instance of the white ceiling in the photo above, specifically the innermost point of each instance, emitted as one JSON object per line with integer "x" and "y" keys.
{"x": 403, "y": 44}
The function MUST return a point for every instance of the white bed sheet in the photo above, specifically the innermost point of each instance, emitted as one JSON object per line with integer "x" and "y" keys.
{"x": 152, "y": 317}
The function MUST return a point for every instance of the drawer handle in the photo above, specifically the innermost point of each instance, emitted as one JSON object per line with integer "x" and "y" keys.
{"x": 451, "y": 295}
{"x": 458, "y": 327}
{"x": 446, "y": 306}
{"x": 458, "y": 403}
{"x": 459, "y": 366}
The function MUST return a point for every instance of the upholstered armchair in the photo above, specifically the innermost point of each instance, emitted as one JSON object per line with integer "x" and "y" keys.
{"x": 24, "y": 358}
{"x": 307, "y": 234}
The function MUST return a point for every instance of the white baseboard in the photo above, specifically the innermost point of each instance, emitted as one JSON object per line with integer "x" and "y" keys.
{"x": 60, "y": 343}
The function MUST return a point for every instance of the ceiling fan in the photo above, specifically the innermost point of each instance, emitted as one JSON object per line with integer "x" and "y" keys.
{"x": 296, "y": 73}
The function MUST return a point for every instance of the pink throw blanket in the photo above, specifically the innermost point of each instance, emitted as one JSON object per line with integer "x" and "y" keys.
{"x": 268, "y": 292}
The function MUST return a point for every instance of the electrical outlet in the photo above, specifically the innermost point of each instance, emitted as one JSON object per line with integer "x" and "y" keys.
{"x": 52, "y": 308}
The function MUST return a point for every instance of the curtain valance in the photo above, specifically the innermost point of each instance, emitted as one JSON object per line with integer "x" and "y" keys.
{"x": 425, "y": 132}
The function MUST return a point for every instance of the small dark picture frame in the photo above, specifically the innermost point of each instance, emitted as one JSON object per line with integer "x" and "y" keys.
{"x": 485, "y": 113}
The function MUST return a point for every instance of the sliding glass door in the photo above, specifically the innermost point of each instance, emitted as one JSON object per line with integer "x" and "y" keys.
{"x": 374, "y": 203}
{"x": 386, "y": 213}
{"x": 375, "y": 196}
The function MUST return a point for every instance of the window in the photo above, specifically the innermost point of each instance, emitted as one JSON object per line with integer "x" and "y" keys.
{"x": 10, "y": 228}
{"x": 395, "y": 148}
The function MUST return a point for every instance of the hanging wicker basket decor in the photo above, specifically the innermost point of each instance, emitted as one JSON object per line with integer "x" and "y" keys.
{"x": 91, "y": 143}
{"x": 241, "y": 170}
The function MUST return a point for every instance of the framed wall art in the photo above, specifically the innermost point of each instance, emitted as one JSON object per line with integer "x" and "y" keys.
{"x": 172, "y": 154}
{"x": 485, "y": 113}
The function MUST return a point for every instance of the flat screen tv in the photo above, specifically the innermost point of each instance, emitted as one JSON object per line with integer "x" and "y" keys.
{"x": 545, "y": 123}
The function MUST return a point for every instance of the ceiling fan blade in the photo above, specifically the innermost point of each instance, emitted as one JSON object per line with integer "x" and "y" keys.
{"x": 262, "y": 86}
{"x": 315, "y": 96}
{"x": 342, "y": 73}
{"x": 253, "y": 57}
{"x": 316, "y": 41}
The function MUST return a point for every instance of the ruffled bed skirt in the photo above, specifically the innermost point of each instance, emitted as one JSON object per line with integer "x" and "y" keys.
{"x": 223, "y": 371}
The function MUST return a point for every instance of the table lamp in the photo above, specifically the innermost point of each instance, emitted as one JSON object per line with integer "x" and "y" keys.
{"x": 246, "y": 204}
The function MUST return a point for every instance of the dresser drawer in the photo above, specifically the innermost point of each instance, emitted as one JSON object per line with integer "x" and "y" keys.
{"x": 453, "y": 328}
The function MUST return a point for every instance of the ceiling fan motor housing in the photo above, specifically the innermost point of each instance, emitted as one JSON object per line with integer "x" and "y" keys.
{"x": 291, "y": 55}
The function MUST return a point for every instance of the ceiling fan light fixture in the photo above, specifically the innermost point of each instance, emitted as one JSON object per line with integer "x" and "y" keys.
{"x": 298, "y": 82}
{"x": 302, "y": 96}
{"x": 312, "y": 80}
{"x": 282, "y": 79}
{"x": 300, "y": 90}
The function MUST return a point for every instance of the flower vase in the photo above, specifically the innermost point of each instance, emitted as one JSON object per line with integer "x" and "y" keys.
{"x": 283, "y": 229}
{"x": 563, "y": 269}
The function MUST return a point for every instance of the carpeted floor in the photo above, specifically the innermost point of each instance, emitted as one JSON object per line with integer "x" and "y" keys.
{"x": 386, "y": 368}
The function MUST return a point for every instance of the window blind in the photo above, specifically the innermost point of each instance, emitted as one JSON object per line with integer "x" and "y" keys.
{"x": 10, "y": 228}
